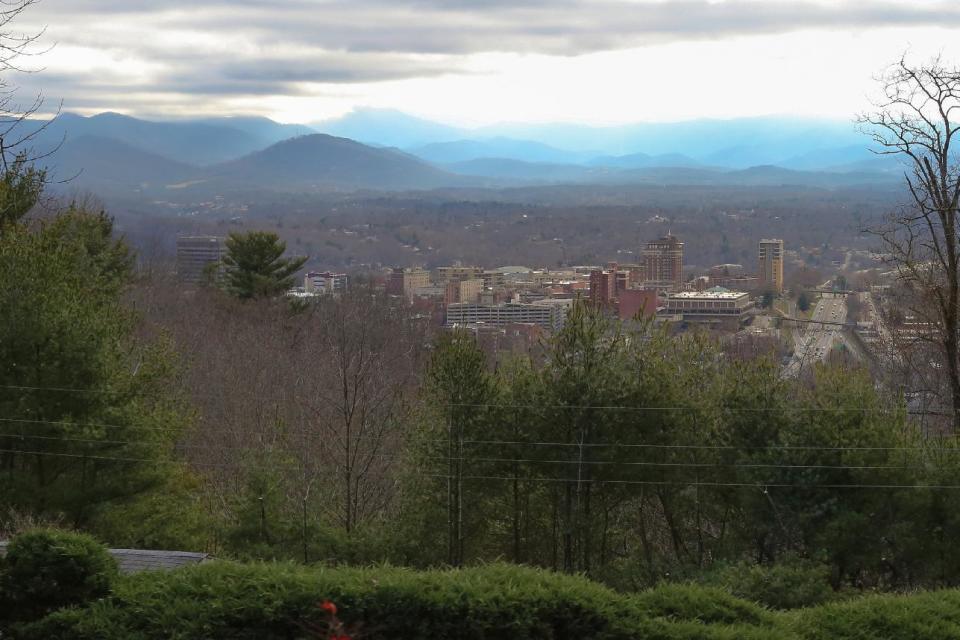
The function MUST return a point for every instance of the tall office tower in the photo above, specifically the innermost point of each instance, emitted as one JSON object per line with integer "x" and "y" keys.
{"x": 603, "y": 287}
{"x": 198, "y": 254}
{"x": 663, "y": 263}
{"x": 771, "y": 265}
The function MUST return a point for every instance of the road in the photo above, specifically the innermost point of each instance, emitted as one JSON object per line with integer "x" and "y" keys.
{"x": 813, "y": 341}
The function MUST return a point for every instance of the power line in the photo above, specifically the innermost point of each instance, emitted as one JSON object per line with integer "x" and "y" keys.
{"x": 764, "y": 486}
{"x": 413, "y": 437}
{"x": 529, "y": 406}
{"x": 468, "y": 459}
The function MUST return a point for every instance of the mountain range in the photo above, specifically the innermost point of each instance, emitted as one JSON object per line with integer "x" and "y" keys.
{"x": 375, "y": 149}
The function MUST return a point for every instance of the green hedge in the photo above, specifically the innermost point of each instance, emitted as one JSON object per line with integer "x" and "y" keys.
{"x": 786, "y": 585}
{"x": 228, "y": 600}
{"x": 271, "y": 601}
{"x": 933, "y": 615}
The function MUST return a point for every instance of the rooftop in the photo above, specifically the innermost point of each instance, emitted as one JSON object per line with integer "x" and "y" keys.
{"x": 717, "y": 293}
{"x": 137, "y": 560}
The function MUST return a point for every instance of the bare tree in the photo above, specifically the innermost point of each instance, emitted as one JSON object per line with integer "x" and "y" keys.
{"x": 17, "y": 132}
{"x": 915, "y": 121}
{"x": 361, "y": 361}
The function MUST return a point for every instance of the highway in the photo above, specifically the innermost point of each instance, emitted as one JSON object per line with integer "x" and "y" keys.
{"x": 812, "y": 341}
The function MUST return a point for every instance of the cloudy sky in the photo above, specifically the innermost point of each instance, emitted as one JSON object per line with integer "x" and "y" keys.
{"x": 479, "y": 61}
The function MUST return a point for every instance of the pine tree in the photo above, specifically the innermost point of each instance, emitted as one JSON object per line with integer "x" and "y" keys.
{"x": 256, "y": 267}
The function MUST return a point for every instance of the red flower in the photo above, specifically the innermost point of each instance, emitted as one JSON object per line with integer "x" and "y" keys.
{"x": 330, "y": 608}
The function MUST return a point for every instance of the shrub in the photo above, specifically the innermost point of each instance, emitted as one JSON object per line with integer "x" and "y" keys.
{"x": 701, "y": 604}
{"x": 45, "y": 570}
{"x": 924, "y": 616}
{"x": 786, "y": 585}
{"x": 263, "y": 601}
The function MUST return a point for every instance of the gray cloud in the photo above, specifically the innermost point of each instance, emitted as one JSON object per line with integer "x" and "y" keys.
{"x": 565, "y": 27}
{"x": 283, "y": 45}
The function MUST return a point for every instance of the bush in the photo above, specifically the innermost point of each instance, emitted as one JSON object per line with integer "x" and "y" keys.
{"x": 786, "y": 585}
{"x": 228, "y": 600}
{"x": 925, "y": 616}
{"x": 45, "y": 570}
{"x": 273, "y": 601}
{"x": 698, "y": 603}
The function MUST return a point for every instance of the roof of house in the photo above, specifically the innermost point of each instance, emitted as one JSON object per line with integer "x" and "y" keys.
{"x": 136, "y": 560}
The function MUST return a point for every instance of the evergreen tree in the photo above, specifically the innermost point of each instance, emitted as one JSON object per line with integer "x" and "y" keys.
{"x": 256, "y": 267}
{"x": 87, "y": 416}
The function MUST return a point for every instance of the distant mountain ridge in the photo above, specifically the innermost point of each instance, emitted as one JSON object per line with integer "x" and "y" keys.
{"x": 324, "y": 161}
{"x": 733, "y": 144}
{"x": 121, "y": 153}
{"x": 199, "y": 142}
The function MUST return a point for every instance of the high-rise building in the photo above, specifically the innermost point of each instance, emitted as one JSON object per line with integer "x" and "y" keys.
{"x": 463, "y": 290}
{"x": 603, "y": 287}
{"x": 771, "y": 265}
{"x": 197, "y": 256}
{"x": 663, "y": 263}
{"x": 407, "y": 281}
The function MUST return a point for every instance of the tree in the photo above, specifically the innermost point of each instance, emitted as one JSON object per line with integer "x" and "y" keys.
{"x": 463, "y": 394}
{"x": 85, "y": 406}
{"x": 256, "y": 267}
{"x": 914, "y": 120}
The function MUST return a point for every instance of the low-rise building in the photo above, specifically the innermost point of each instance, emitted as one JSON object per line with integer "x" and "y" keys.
{"x": 549, "y": 314}
{"x": 633, "y": 303}
{"x": 325, "y": 283}
{"x": 717, "y": 307}
{"x": 199, "y": 257}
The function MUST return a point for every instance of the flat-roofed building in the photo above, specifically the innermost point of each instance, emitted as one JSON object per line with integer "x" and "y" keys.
{"x": 325, "y": 283}
{"x": 717, "y": 306}
{"x": 633, "y": 303}
{"x": 457, "y": 273}
{"x": 406, "y": 282}
{"x": 603, "y": 288}
{"x": 199, "y": 257}
{"x": 494, "y": 279}
{"x": 663, "y": 263}
{"x": 549, "y": 314}
{"x": 771, "y": 265}
{"x": 463, "y": 290}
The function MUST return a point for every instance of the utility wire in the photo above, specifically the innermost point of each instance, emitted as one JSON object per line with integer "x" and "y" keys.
{"x": 469, "y": 459}
{"x": 763, "y": 485}
{"x": 499, "y": 443}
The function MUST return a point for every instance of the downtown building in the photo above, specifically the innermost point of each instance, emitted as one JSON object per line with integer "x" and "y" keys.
{"x": 325, "y": 283}
{"x": 200, "y": 257}
{"x": 770, "y": 260}
{"x": 663, "y": 263}
{"x": 548, "y": 314}
{"x": 717, "y": 307}
{"x": 407, "y": 282}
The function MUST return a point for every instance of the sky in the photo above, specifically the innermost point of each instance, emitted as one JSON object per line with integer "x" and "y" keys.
{"x": 476, "y": 62}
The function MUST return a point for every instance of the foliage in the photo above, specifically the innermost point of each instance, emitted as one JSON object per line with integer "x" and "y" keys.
{"x": 923, "y": 616}
{"x": 85, "y": 405}
{"x": 226, "y": 600}
{"x": 784, "y": 585}
{"x": 255, "y": 267}
{"x": 45, "y": 570}
{"x": 20, "y": 187}
{"x": 221, "y": 600}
